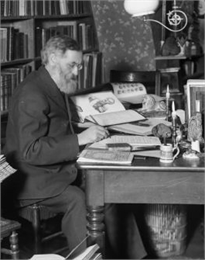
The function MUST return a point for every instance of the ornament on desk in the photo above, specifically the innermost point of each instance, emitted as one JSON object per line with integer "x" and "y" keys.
{"x": 191, "y": 154}
{"x": 161, "y": 131}
{"x": 195, "y": 127}
{"x": 153, "y": 103}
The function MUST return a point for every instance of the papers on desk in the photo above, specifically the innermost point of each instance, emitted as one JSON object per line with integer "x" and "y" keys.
{"x": 97, "y": 156}
{"x": 139, "y": 128}
{"x": 136, "y": 142}
{"x": 155, "y": 153}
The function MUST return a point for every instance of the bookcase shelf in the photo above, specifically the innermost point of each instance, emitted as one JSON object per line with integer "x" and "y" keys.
{"x": 25, "y": 27}
{"x": 16, "y": 62}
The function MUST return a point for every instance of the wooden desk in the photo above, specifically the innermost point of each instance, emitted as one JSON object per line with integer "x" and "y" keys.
{"x": 146, "y": 181}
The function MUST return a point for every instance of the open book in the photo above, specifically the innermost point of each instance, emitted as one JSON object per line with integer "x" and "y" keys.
{"x": 91, "y": 252}
{"x": 103, "y": 108}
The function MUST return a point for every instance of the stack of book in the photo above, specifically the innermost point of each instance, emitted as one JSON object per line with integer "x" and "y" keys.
{"x": 83, "y": 32}
{"x": 14, "y": 44}
{"x": 91, "y": 74}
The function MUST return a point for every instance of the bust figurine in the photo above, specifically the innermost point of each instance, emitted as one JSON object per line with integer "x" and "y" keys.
{"x": 195, "y": 128}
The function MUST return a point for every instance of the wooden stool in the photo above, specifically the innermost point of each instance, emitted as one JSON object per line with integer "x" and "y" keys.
{"x": 8, "y": 228}
{"x": 35, "y": 213}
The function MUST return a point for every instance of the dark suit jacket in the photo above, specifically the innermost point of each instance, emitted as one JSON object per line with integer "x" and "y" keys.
{"x": 39, "y": 140}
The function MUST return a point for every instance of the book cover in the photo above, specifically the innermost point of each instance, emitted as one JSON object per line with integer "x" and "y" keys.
{"x": 105, "y": 157}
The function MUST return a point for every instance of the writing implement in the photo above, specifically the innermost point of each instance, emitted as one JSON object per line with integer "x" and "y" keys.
{"x": 140, "y": 123}
{"x": 140, "y": 157}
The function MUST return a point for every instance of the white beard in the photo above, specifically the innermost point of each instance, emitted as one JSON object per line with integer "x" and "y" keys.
{"x": 67, "y": 82}
{"x": 68, "y": 86}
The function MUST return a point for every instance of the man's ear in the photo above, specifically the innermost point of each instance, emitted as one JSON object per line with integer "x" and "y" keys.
{"x": 53, "y": 58}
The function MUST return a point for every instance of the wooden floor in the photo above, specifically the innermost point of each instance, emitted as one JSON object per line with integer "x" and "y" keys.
{"x": 194, "y": 249}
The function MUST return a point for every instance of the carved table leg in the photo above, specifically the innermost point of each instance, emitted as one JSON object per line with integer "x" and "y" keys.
{"x": 14, "y": 245}
{"x": 96, "y": 227}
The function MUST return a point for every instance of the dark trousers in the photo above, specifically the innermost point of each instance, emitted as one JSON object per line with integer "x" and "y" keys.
{"x": 123, "y": 240}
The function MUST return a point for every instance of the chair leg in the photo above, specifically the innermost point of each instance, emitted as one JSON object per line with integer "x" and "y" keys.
{"x": 14, "y": 245}
{"x": 36, "y": 228}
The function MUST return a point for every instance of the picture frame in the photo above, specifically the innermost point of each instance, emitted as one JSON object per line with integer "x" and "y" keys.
{"x": 195, "y": 91}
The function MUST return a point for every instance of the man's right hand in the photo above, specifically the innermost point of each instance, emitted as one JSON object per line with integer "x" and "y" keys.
{"x": 92, "y": 134}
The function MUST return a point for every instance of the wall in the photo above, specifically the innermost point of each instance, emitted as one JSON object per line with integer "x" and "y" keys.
{"x": 126, "y": 42}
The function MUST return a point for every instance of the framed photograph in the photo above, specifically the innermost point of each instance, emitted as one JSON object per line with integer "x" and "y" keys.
{"x": 195, "y": 91}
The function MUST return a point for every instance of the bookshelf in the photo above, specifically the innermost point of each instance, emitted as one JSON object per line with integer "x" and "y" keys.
{"x": 25, "y": 27}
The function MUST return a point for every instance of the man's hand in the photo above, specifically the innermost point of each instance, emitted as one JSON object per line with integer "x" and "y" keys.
{"x": 92, "y": 134}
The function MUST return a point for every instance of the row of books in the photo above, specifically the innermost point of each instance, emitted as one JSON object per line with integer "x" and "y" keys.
{"x": 82, "y": 32}
{"x": 90, "y": 76}
{"x": 92, "y": 73}
{"x": 9, "y": 79}
{"x": 14, "y": 44}
{"x": 41, "y": 7}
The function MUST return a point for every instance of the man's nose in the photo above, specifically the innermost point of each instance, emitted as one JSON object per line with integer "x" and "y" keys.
{"x": 75, "y": 71}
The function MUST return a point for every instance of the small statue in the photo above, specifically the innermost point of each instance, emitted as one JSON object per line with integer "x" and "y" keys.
{"x": 162, "y": 131}
{"x": 191, "y": 154}
{"x": 153, "y": 103}
{"x": 170, "y": 47}
{"x": 195, "y": 128}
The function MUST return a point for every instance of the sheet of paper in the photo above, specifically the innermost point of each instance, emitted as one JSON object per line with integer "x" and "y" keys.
{"x": 139, "y": 128}
{"x": 117, "y": 117}
{"x": 133, "y": 140}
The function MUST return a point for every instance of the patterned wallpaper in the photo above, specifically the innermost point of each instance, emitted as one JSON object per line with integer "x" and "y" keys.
{"x": 126, "y": 42}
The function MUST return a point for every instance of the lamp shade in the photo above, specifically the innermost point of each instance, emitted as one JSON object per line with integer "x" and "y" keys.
{"x": 140, "y": 7}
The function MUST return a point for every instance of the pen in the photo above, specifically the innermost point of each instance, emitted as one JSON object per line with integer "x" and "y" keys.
{"x": 140, "y": 157}
{"x": 143, "y": 124}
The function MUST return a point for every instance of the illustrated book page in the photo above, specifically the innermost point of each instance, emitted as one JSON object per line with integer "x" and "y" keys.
{"x": 97, "y": 156}
{"x": 91, "y": 252}
{"x": 104, "y": 109}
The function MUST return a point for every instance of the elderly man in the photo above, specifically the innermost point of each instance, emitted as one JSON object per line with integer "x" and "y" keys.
{"x": 41, "y": 142}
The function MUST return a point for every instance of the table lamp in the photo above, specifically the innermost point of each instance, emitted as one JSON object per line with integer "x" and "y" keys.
{"x": 175, "y": 17}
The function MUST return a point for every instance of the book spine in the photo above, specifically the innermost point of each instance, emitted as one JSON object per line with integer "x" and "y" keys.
{"x": 1, "y": 93}
{"x": 3, "y": 40}
{"x": 2, "y": 7}
{"x": 38, "y": 38}
{"x": 16, "y": 44}
{"x": 21, "y": 45}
